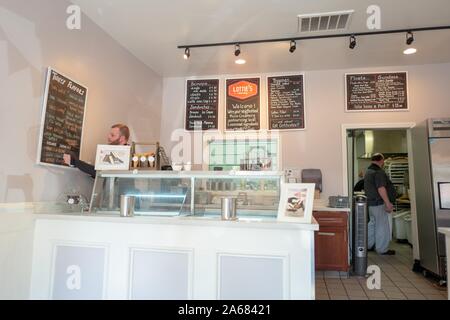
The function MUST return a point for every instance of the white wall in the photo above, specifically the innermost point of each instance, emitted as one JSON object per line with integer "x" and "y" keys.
{"x": 33, "y": 36}
{"x": 320, "y": 145}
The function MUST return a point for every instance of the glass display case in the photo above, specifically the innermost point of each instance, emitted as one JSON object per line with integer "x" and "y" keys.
{"x": 193, "y": 193}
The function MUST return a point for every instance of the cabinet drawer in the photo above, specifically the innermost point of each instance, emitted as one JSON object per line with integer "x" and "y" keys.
{"x": 331, "y": 249}
{"x": 331, "y": 219}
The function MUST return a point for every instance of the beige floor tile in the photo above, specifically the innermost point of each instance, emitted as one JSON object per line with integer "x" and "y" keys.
{"x": 333, "y": 281}
{"x": 375, "y": 294}
{"x": 429, "y": 291}
{"x": 353, "y": 286}
{"x": 335, "y": 286}
{"x": 378, "y": 298}
{"x": 411, "y": 296}
{"x": 350, "y": 281}
{"x": 405, "y": 285}
{"x": 321, "y": 284}
{"x": 410, "y": 290}
{"x": 434, "y": 297}
{"x": 341, "y": 297}
{"x": 337, "y": 292}
{"x": 358, "y": 298}
{"x": 395, "y": 295}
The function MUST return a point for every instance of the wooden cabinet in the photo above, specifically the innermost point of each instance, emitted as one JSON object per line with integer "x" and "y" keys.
{"x": 331, "y": 241}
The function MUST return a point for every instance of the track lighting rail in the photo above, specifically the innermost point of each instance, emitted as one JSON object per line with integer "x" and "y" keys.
{"x": 340, "y": 35}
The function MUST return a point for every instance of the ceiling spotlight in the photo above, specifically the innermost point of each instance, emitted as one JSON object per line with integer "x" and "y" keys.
{"x": 293, "y": 46}
{"x": 352, "y": 44}
{"x": 410, "y": 51}
{"x": 409, "y": 38}
{"x": 240, "y": 61}
{"x": 187, "y": 54}
{"x": 237, "y": 50}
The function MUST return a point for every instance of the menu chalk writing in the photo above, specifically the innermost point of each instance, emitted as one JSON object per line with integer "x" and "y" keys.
{"x": 243, "y": 104}
{"x": 63, "y": 114}
{"x": 376, "y": 91}
{"x": 286, "y": 102}
{"x": 202, "y": 104}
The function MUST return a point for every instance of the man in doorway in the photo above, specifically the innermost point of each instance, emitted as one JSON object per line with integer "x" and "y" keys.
{"x": 380, "y": 194}
{"x": 118, "y": 135}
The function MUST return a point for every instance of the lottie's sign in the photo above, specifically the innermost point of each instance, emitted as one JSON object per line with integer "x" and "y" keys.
{"x": 242, "y": 90}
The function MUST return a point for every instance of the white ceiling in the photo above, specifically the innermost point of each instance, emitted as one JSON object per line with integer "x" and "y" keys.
{"x": 152, "y": 29}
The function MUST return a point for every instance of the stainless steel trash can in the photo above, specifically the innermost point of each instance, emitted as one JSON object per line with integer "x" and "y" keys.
{"x": 228, "y": 205}
{"x": 127, "y": 205}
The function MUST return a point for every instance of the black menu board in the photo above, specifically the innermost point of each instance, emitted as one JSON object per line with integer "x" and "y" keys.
{"x": 286, "y": 102}
{"x": 202, "y": 104}
{"x": 62, "y": 118}
{"x": 376, "y": 91}
{"x": 243, "y": 104}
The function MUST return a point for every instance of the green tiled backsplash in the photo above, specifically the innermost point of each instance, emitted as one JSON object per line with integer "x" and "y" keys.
{"x": 228, "y": 154}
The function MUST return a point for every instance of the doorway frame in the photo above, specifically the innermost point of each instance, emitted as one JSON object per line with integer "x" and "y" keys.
{"x": 396, "y": 126}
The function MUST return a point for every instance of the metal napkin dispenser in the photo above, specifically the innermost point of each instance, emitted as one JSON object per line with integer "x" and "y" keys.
{"x": 338, "y": 202}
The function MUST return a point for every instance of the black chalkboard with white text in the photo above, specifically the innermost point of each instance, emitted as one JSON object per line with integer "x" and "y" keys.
{"x": 62, "y": 118}
{"x": 286, "y": 102}
{"x": 386, "y": 91}
{"x": 202, "y": 104}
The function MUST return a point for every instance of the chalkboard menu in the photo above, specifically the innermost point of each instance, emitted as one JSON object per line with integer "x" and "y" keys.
{"x": 243, "y": 104}
{"x": 62, "y": 118}
{"x": 376, "y": 91}
{"x": 202, "y": 104}
{"x": 286, "y": 102}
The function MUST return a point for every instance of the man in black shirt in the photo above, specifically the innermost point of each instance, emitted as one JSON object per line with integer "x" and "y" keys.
{"x": 118, "y": 135}
{"x": 380, "y": 194}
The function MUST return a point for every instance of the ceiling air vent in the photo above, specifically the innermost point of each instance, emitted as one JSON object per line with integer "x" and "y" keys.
{"x": 328, "y": 21}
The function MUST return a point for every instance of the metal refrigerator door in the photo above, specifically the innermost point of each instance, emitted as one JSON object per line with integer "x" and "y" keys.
{"x": 440, "y": 167}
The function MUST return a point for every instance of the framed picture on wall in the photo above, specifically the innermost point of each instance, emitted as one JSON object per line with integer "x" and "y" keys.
{"x": 112, "y": 157}
{"x": 296, "y": 202}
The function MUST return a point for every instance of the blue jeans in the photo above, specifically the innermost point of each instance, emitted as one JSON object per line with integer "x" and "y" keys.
{"x": 378, "y": 232}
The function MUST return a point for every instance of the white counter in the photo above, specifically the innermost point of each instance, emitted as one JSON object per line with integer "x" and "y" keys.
{"x": 109, "y": 257}
{"x": 446, "y": 231}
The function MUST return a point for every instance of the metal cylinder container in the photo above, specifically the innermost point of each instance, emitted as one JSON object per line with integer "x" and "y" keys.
{"x": 127, "y": 205}
{"x": 228, "y": 208}
{"x": 360, "y": 235}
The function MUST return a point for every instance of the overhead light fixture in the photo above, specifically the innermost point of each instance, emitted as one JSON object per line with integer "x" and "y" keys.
{"x": 292, "y": 46}
{"x": 187, "y": 54}
{"x": 352, "y": 44}
{"x": 409, "y": 38}
{"x": 410, "y": 51}
{"x": 237, "y": 50}
{"x": 240, "y": 61}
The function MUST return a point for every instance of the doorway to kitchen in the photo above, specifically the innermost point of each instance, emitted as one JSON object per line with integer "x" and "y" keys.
{"x": 394, "y": 141}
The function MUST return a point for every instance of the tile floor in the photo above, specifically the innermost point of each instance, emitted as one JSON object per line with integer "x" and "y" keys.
{"x": 398, "y": 281}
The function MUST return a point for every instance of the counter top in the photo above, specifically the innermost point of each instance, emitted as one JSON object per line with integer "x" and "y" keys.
{"x": 445, "y": 231}
{"x": 262, "y": 223}
{"x": 56, "y": 212}
{"x": 322, "y": 205}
